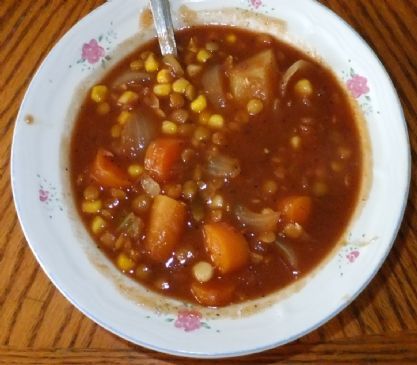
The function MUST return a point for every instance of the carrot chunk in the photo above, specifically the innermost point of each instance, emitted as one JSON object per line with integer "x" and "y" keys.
{"x": 106, "y": 172}
{"x": 161, "y": 157}
{"x": 214, "y": 293}
{"x": 165, "y": 227}
{"x": 295, "y": 209}
{"x": 227, "y": 247}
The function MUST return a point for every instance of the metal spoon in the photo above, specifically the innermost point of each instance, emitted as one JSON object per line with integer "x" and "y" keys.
{"x": 163, "y": 23}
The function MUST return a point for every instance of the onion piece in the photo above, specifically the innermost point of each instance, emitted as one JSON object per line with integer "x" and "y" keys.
{"x": 130, "y": 77}
{"x": 289, "y": 254}
{"x": 213, "y": 84}
{"x": 131, "y": 225}
{"x": 291, "y": 71}
{"x": 150, "y": 186}
{"x": 137, "y": 133}
{"x": 173, "y": 64}
{"x": 260, "y": 222}
{"x": 223, "y": 166}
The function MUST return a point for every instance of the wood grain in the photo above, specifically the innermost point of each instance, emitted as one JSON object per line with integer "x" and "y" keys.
{"x": 39, "y": 326}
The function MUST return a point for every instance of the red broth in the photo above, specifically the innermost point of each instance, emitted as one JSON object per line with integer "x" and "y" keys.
{"x": 222, "y": 175}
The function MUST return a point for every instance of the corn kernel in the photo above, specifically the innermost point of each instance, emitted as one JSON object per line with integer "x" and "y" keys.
{"x": 199, "y": 104}
{"x": 151, "y": 63}
{"x": 180, "y": 85}
{"x": 124, "y": 117}
{"x": 135, "y": 170}
{"x": 190, "y": 92}
{"x": 231, "y": 38}
{"x": 203, "y": 271}
{"x": 164, "y": 76}
{"x": 303, "y": 88}
{"x": 103, "y": 108}
{"x": 162, "y": 89}
{"x": 124, "y": 262}
{"x": 204, "y": 117}
{"x": 216, "y": 121}
{"x": 128, "y": 97}
{"x": 136, "y": 65}
{"x": 295, "y": 142}
{"x": 98, "y": 224}
{"x": 169, "y": 127}
{"x": 92, "y": 206}
{"x": 203, "y": 55}
{"x": 116, "y": 131}
{"x": 254, "y": 106}
{"x": 99, "y": 93}
{"x": 91, "y": 192}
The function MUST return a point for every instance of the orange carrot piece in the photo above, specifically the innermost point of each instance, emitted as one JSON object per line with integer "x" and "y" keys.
{"x": 227, "y": 247}
{"x": 165, "y": 227}
{"x": 213, "y": 293}
{"x": 106, "y": 172}
{"x": 161, "y": 157}
{"x": 295, "y": 209}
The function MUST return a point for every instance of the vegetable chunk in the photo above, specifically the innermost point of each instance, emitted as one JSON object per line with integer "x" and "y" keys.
{"x": 254, "y": 77}
{"x": 213, "y": 294}
{"x": 106, "y": 172}
{"x": 227, "y": 247}
{"x": 295, "y": 209}
{"x": 165, "y": 227}
{"x": 161, "y": 157}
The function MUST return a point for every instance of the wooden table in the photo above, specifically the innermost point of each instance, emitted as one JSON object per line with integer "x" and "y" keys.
{"x": 39, "y": 326}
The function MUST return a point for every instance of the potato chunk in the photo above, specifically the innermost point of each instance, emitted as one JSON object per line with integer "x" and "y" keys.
{"x": 254, "y": 77}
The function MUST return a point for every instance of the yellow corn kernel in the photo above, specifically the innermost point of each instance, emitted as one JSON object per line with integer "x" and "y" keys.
{"x": 231, "y": 38}
{"x": 169, "y": 127}
{"x": 151, "y": 63}
{"x": 124, "y": 117}
{"x": 303, "y": 88}
{"x": 116, "y": 131}
{"x": 99, "y": 93}
{"x": 164, "y": 76}
{"x": 204, "y": 117}
{"x": 162, "y": 89}
{"x": 92, "y": 206}
{"x": 103, "y": 108}
{"x": 135, "y": 170}
{"x": 216, "y": 121}
{"x": 124, "y": 262}
{"x": 128, "y": 97}
{"x": 254, "y": 106}
{"x": 98, "y": 224}
{"x": 199, "y": 104}
{"x": 180, "y": 85}
{"x": 190, "y": 92}
{"x": 91, "y": 192}
{"x": 203, "y": 55}
{"x": 136, "y": 65}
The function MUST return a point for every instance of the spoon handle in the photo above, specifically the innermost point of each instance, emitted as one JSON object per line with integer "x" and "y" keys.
{"x": 163, "y": 23}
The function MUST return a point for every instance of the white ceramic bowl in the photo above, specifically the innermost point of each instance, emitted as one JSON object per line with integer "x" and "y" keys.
{"x": 64, "y": 250}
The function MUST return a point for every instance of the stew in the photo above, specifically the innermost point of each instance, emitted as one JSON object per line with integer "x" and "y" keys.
{"x": 222, "y": 174}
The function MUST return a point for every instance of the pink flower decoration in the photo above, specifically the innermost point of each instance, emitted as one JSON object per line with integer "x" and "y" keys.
{"x": 92, "y": 51}
{"x": 43, "y": 195}
{"x": 189, "y": 320}
{"x": 352, "y": 256}
{"x": 357, "y": 85}
{"x": 256, "y": 3}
